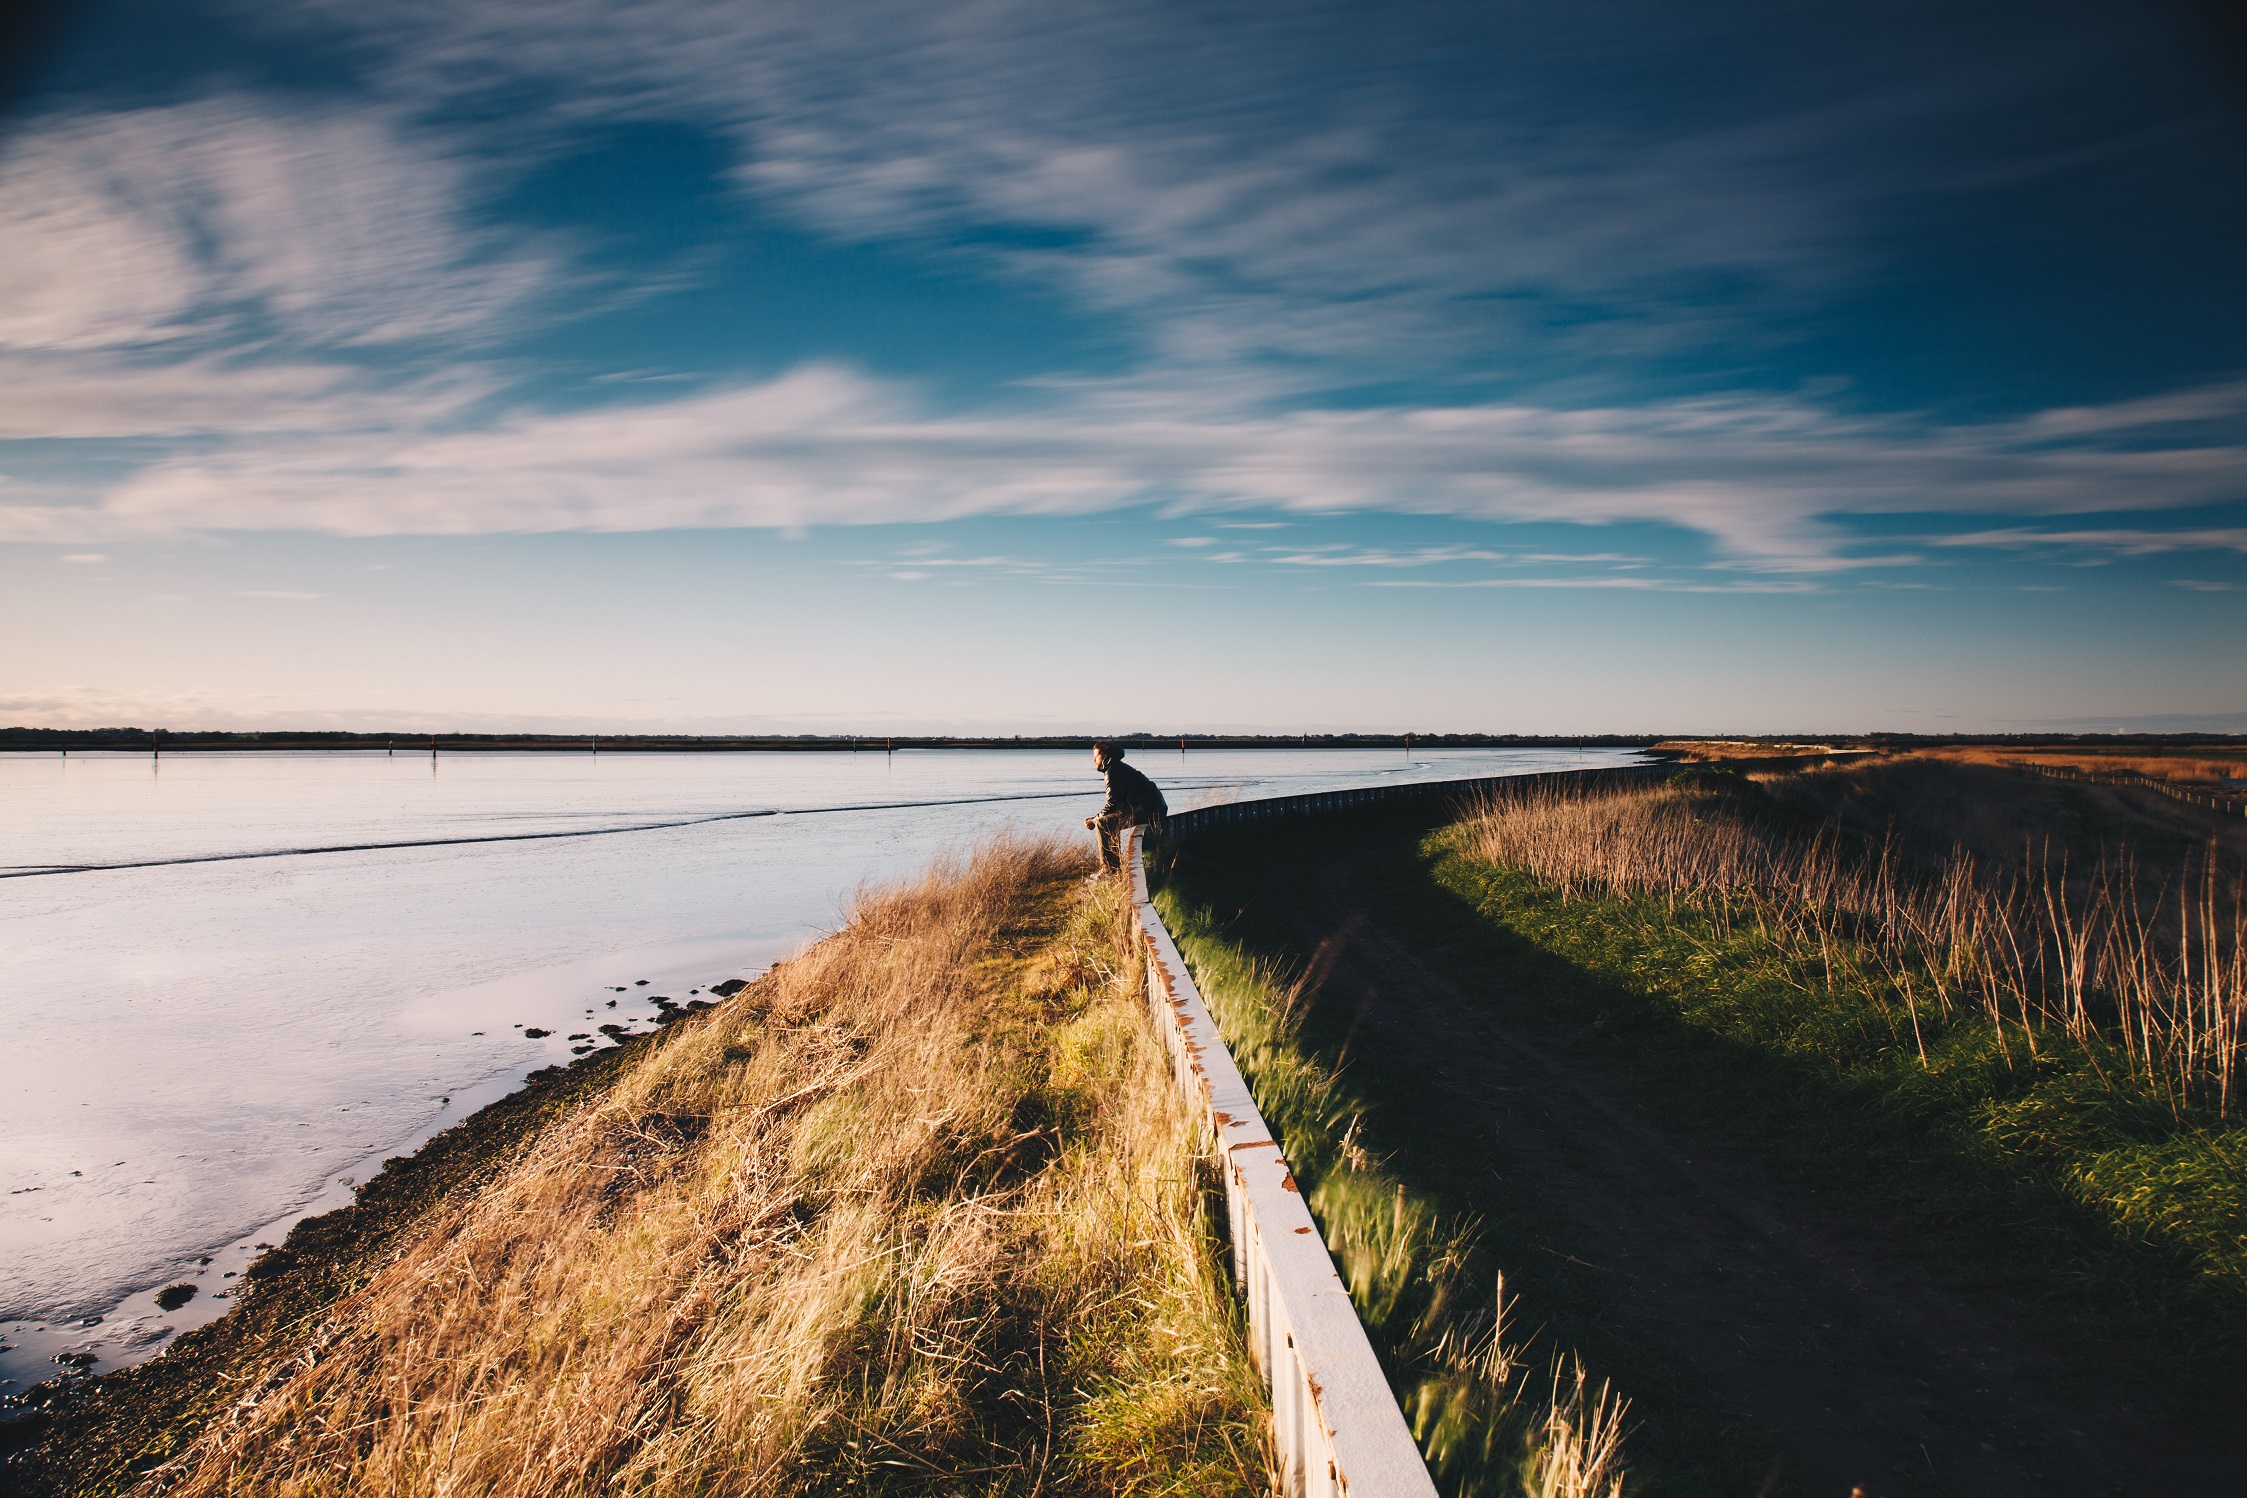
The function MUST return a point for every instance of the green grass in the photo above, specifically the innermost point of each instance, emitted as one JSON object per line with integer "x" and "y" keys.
{"x": 2082, "y": 1192}
{"x": 1432, "y": 1256}
{"x": 2082, "y": 1210}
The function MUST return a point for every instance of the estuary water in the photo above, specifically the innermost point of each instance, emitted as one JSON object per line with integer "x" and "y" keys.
{"x": 232, "y": 984}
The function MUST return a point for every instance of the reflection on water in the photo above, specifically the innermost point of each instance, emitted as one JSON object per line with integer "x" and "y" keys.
{"x": 206, "y": 1036}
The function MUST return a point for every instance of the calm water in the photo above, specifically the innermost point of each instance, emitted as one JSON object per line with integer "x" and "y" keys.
{"x": 277, "y": 992}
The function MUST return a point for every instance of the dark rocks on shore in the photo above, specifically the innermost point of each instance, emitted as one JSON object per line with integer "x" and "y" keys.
{"x": 535, "y": 1033}
{"x": 729, "y": 988}
{"x": 273, "y": 1262}
{"x": 75, "y": 1435}
{"x": 172, "y": 1297}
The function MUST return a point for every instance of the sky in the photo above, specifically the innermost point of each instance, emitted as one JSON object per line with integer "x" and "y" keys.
{"x": 996, "y": 366}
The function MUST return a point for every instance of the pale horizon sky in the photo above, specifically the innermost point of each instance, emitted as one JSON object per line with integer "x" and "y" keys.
{"x": 693, "y": 366}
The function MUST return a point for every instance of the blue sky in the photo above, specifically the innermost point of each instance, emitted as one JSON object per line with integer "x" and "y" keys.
{"x": 709, "y": 366}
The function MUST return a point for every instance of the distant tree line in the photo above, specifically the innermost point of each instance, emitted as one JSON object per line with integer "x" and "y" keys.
{"x": 129, "y": 738}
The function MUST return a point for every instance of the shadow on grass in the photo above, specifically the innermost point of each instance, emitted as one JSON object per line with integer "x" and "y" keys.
{"x": 1968, "y": 1175}
{"x": 1250, "y": 886}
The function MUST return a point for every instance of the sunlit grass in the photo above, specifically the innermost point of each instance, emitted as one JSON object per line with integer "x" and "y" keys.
{"x": 918, "y": 1211}
{"x": 2147, "y": 978}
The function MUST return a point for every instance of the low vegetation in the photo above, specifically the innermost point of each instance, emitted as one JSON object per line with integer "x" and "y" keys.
{"x": 915, "y": 1212}
{"x": 2044, "y": 1052}
{"x": 1983, "y": 1023}
{"x": 2140, "y": 972}
{"x": 2192, "y": 766}
{"x": 1495, "y": 1411}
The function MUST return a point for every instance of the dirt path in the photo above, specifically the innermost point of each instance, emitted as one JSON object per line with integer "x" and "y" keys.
{"x": 1875, "y": 1381}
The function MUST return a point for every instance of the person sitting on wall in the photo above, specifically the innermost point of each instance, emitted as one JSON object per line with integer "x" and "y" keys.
{"x": 1132, "y": 801}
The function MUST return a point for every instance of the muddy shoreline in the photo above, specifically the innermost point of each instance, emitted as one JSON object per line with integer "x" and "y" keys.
{"x": 95, "y": 1436}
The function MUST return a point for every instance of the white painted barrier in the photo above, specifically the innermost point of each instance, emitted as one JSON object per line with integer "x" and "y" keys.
{"x": 1336, "y": 1425}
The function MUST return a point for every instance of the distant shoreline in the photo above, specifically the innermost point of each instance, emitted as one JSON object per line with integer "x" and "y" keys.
{"x": 146, "y": 740}
{"x": 141, "y": 740}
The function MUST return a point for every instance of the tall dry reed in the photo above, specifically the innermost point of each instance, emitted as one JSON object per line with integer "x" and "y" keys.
{"x": 2159, "y": 981}
{"x": 917, "y": 1211}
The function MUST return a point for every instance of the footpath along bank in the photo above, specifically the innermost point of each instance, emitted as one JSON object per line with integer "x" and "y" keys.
{"x": 1771, "y": 1104}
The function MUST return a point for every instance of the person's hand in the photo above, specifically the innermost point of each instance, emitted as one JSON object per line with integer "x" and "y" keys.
{"x": 1088, "y": 821}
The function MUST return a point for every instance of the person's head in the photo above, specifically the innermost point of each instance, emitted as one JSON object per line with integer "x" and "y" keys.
{"x": 1105, "y": 753}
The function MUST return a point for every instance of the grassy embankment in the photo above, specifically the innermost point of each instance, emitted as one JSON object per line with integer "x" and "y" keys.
{"x": 2029, "y": 1063}
{"x": 918, "y": 1211}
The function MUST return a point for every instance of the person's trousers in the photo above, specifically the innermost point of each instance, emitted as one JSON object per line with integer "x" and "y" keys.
{"x": 1110, "y": 825}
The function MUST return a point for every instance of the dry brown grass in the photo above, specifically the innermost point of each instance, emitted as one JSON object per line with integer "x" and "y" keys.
{"x": 2185, "y": 765}
{"x": 917, "y": 1211}
{"x": 1705, "y": 751}
{"x": 2159, "y": 979}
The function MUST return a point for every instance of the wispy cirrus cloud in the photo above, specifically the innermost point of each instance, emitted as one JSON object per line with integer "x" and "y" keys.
{"x": 1598, "y": 583}
{"x": 2112, "y": 541}
{"x": 1246, "y": 189}
{"x": 238, "y": 217}
{"x": 1344, "y": 555}
{"x": 1764, "y": 479}
{"x": 190, "y": 291}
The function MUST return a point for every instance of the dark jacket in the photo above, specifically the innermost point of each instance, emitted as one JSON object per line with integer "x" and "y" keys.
{"x": 1132, "y": 797}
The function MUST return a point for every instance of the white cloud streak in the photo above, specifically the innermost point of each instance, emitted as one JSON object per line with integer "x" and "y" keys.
{"x": 194, "y": 281}
{"x": 235, "y": 218}
{"x": 1764, "y": 478}
{"x": 1252, "y": 188}
{"x": 2117, "y": 541}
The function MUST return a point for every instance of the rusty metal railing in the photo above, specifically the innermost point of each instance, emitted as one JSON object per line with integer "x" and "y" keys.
{"x": 1336, "y": 1425}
